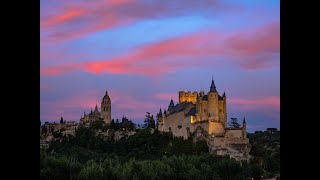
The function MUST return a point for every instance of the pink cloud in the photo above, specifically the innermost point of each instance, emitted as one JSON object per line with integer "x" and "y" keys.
{"x": 259, "y": 47}
{"x": 189, "y": 50}
{"x": 257, "y": 103}
{"x": 76, "y": 20}
{"x": 141, "y": 60}
{"x": 62, "y": 18}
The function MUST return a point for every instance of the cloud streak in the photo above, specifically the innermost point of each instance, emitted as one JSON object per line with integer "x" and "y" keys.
{"x": 73, "y": 21}
{"x": 247, "y": 49}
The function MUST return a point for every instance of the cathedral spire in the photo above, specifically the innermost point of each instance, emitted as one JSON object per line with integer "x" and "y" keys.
{"x": 224, "y": 94}
{"x": 244, "y": 120}
{"x": 213, "y": 86}
{"x": 96, "y": 108}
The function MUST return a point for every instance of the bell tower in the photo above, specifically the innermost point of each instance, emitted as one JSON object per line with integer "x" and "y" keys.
{"x": 106, "y": 108}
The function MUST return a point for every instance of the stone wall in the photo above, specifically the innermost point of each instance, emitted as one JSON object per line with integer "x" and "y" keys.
{"x": 234, "y": 133}
{"x": 216, "y": 128}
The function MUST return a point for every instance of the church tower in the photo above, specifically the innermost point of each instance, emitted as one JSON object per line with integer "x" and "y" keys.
{"x": 106, "y": 108}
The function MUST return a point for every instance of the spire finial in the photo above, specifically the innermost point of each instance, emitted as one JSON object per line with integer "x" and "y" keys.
{"x": 213, "y": 86}
{"x": 244, "y": 119}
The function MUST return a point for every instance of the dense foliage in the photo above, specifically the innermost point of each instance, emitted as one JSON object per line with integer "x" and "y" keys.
{"x": 145, "y": 155}
{"x": 266, "y": 150}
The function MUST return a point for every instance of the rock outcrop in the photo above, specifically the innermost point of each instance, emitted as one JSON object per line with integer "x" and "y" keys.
{"x": 235, "y": 148}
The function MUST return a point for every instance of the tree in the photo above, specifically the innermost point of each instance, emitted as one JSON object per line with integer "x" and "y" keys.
{"x": 112, "y": 125}
{"x": 149, "y": 121}
{"x": 234, "y": 123}
{"x": 61, "y": 120}
{"x": 44, "y": 130}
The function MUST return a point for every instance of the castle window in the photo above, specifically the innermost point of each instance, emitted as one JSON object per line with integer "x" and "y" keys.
{"x": 204, "y": 110}
{"x": 220, "y": 110}
{"x": 104, "y": 108}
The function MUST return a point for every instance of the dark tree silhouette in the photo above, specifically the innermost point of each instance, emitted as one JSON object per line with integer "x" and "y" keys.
{"x": 61, "y": 120}
{"x": 149, "y": 121}
{"x": 234, "y": 123}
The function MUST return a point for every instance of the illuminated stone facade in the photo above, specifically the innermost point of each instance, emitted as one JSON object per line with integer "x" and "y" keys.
{"x": 209, "y": 111}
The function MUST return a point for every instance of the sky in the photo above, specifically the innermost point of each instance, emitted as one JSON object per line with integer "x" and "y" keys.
{"x": 144, "y": 51}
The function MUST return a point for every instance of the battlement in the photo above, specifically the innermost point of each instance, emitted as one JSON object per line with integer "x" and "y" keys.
{"x": 188, "y": 93}
{"x": 188, "y": 96}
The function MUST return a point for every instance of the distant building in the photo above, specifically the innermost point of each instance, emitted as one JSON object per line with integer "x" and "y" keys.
{"x": 104, "y": 115}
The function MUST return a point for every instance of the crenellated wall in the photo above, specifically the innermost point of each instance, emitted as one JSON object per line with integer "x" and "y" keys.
{"x": 188, "y": 96}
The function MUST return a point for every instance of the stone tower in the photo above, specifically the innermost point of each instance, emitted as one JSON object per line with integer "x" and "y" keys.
{"x": 244, "y": 128}
{"x": 213, "y": 101}
{"x": 106, "y": 108}
{"x": 224, "y": 110}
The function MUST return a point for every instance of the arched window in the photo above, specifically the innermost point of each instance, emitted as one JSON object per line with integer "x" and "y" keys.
{"x": 104, "y": 109}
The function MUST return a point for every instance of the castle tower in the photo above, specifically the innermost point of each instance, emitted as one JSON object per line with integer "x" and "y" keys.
{"x": 224, "y": 110}
{"x": 244, "y": 128}
{"x": 213, "y": 102}
{"x": 106, "y": 108}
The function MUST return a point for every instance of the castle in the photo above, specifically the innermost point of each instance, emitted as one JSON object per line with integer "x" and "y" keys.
{"x": 199, "y": 110}
{"x": 104, "y": 115}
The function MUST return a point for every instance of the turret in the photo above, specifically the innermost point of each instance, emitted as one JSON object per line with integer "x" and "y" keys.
{"x": 159, "y": 115}
{"x": 171, "y": 105}
{"x": 244, "y": 128}
{"x": 213, "y": 87}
